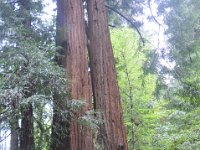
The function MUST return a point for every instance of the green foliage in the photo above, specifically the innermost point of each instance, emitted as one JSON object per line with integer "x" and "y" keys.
{"x": 182, "y": 19}
{"x": 172, "y": 121}
{"x": 177, "y": 118}
{"x": 26, "y": 69}
{"x": 28, "y": 73}
{"x": 157, "y": 115}
{"x": 177, "y": 130}
{"x": 136, "y": 88}
{"x": 91, "y": 119}
{"x": 129, "y": 8}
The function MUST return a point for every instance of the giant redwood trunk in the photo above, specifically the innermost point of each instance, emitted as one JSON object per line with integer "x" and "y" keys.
{"x": 72, "y": 37}
{"x": 104, "y": 82}
{"x": 77, "y": 69}
{"x": 27, "y": 133}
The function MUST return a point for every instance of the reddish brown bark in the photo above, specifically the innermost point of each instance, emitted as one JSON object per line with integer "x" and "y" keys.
{"x": 72, "y": 38}
{"x": 104, "y": 82}
{"x": 77, "y": 69}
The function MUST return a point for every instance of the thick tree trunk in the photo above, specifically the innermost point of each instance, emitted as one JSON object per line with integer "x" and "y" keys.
{"x": 104, "y": 82}
{"x": 77, "y": 68}
{"x": 27, "y": 133}
{"x": 71, "y": 36}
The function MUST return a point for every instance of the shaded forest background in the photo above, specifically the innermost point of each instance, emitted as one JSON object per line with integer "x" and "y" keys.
{"x": 63, "y": 86}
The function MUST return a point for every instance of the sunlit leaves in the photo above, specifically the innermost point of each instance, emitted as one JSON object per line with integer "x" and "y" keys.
{"x": 136, "y": 88}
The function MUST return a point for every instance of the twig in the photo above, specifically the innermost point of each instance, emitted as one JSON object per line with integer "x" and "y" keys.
{"x": 154, "y": 18}
{"x": 14, "y": 2}
{"x": 5, "y": 137}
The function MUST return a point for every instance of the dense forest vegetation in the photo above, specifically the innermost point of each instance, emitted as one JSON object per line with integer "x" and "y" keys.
{"x": 91, "y": 75}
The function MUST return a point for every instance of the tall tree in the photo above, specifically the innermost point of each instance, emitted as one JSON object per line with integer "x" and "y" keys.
{"x": 6, "y": 25}
{"x": 104, "y": 83}
{"x": 183, "y": 47}
{"x": 27, "y": 133}
{"x": 71, "y": 36}
{"x": 27, "y": 74}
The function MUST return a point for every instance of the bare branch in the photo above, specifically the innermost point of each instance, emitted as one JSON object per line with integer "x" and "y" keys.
{"x": 5, "y": 137}
{"x": 112, "y": 26}
{"x": 12, "y": 2}
{"x": 128, "y": 20}
{"x": 154, "y": 18}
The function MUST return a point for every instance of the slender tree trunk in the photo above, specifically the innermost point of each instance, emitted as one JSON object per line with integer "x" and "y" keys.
{"x": 27, "y": 132}
{"x": 71, "y": 36}
{"x": 14, "y": 125}
{"x": 104, "y": 82}
{"x": 14, "y": 137}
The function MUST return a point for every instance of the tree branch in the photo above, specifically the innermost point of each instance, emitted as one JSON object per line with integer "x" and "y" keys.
{"x": 154, "y": 18}
{"x": 5, "y": 137}
{"x": 12, "y": 2}
{"x": 156, "y": 21}
{"x": 128, "y": 20}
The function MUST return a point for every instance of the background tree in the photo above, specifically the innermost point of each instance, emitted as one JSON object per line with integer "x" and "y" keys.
{"x": 28, "y": 75}
{"x": 183, "y": 46}
{"x": 26, "y": 131}
{"x": 136, "y": 87}
{"x": 181, "y": 92}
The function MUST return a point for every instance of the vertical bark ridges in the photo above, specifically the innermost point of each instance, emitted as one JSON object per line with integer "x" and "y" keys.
{"x": 104, "y": 82}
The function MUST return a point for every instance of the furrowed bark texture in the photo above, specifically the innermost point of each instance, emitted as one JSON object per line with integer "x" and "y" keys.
{"x": 104, "y": 82}
{"x": 77, "y": 69}
{"x": 27, "y": 133}
{"x": 71, "y": 36}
